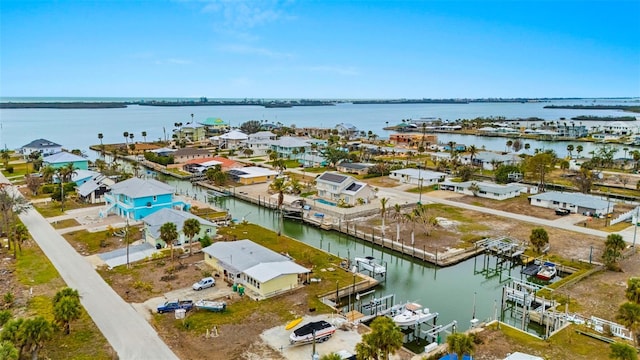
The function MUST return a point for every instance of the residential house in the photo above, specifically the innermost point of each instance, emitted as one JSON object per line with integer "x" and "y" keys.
{"x": 215, "y": 126}
{"x": 93, "y": 190}
{"x": 260, "y": 142}
{"x": 136, "y": 198}
{"x": 191, "y": 134}
{"x": 252, "y": 175}
{"x": 346, "y": 130}
{"x": 490, "y": 160}
{"x": 79, "y": 176}
{"x": 234, "y": 139}
{"x": 575, "y": 202}
{"x": 183, "y": 155}
{"x": 153, "y": 223}
{"x": 572, "y": 131}
{"x": 45, "y": 147}
{"x": 202, "y": 165}
{"x": 289, "y": 147}
{"x": 310, "y": 161}
{"x": 456, "y": 147}
{"x": 413, "y": 140}
{"x": 417, "y": 176}
{"x": 500, "y": 130}
{"x": 618, "y": 128}
{"x": 165, "y": 151}
{"x": 263, "y": 272}
{"x": 64, "y": 158}
{"x": 485, "y": 189}
{"x": 345, "y": 189}
{"x": 353, "y": 168}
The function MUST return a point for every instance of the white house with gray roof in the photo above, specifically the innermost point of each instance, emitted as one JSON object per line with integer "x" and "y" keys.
{"x": 485, "y": 189}
{"x": 263, "y": 272}
{"x": 153, "y": 223}
{"x": 338, "y": 188}
{"x": 575, "y": 202}
{"x": 44, "y": 146}
{"x": 290, "y": 147}
{"x": 417, "y": 176}
{"x": 487, "y": 159}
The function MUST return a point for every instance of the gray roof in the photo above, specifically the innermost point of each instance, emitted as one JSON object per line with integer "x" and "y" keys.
{"x": 155, "y": 221}
{"x": 41, "y": 144}
{"x": 290, "y": 142}
{"x": 242, "y": 254}
{"x": 191, "y": 151}
{"x": 266, "y": 271}
{"x": 578, "y": 199}
{"x": 62, "y": 157}
{"x": 488, "y": 187}
{"x": 488, "y": 156}
{"x": 420, "y": 174}
{"x": 333, "y": 177}
{"x": 91, "y": 185}
{"x": 354, "y": 166}
{"x": 138, "y": 188}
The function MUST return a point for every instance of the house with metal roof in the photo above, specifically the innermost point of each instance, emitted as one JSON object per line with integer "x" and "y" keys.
{"x": 290, "y": 147}
{"x": 153, "y": 223}
{"x": 252, "y": 175}
{"x": 485, "y": 189}
{"x": 234, "y": 139}
{"x": 346, "y": 129}
{"x": 263, "y": 272}
{"x": 136, "y": 198}
{"x": 488, "y": 159}
{"x": 64, "y": 158}
{"x": 417, "y": 176}
{"x": 575, "y": 202}
{"x": 343, "y": 189}
{"x": 45, "y": 147}
{"x": 93, "y": 190}
{"x": 215, "y": 126}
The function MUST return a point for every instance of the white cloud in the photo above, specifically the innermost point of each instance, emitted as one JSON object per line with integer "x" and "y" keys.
{"x": 250, "y": 50}
{"x": 247, "y": 13}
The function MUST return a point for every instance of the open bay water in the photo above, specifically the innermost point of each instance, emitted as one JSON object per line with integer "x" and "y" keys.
{"x": 79, "y": 128}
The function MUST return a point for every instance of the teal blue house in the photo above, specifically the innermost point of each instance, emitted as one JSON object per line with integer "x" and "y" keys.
{"x": 136, "y": 198}
{"x": 63, "y": 158}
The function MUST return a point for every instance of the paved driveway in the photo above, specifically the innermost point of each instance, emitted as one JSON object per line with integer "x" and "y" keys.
{"x": 130, "y": 335}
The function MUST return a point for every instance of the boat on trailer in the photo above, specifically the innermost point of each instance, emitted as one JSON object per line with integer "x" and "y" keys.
{"x": 215, "y": 306}
{"x": 318, "y": 330}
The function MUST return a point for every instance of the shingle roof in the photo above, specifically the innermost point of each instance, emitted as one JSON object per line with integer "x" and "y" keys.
{"x": 138, "y": 188}
{"x": 41, "y": 144}
{"x": 155, "y": 221}
{"x": 578, "y": 199}
{"x": 62, "y": 157}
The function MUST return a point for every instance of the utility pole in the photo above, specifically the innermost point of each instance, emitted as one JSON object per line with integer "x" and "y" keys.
{"x": 635, "y": 219}
{"x": 126, "y": 238}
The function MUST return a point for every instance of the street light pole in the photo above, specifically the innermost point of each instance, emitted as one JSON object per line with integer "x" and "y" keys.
{"x": 635, "y": 226}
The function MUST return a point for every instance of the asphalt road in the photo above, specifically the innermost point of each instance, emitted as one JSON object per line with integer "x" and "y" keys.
{"x": 130, "y": 335}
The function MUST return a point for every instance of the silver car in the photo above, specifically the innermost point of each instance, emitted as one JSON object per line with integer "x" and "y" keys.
{"x": 204, "y": 283}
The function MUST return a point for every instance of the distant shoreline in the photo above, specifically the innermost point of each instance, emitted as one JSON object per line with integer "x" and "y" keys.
{"x": 63, "y": 105}
{"x": 629, "y": 108}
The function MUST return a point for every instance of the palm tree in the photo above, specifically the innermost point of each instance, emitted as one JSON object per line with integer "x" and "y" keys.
{"x": 9, "y": 352}
{"x": 190, "y": 229}
{"x": 613, "y": 247}
{"x": 169, "y": 234}
{"x": 411, "y": 217}
{"x": 570, "y": 149}
{"x": 473, "y": 151}
{"x": 383, "y": 210}
{"x": 397, "y": 216}
{"x": 131, "y": 136}
{"x": 329, "y": 356}
{"x": 633, "y": 290}
{"x": 65, "y": 310}
{"x": 144, "y": 136}
{"x": 622, "y": 351}
{"x": 384, "y": 339}
{"x": 279, "y": 185}
{"x": 19, "y": 236}
{"x": 527, "y": 146}
{"x": 36, "y": 333}
{"x": 11, "y": 205}
{"x": 126, "y": 136}
{"x": 629, "y": 316}
{"x": 100, "y": 137}
{"x": 47, "y": 173}
{"x": 579, "y": 149}
{"x": 460, "y": 344}
{"x": 6, "y": 156}
{"x": 509, "y": 145}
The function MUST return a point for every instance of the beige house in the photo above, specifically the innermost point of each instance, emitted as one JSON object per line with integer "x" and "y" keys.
{"x": 263, "y": 272}
{"x": 186, "y": 154}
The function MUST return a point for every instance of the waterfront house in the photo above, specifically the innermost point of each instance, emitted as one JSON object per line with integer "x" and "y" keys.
{"x": 204, "y": 164}
{"x": 605, "y": 137}
{"x": 183, "y": 155}
{"x": 575, "y": 202}
{"x": 484, "y": 189}
{"x": 136, "y": 198}
{"x": 191, "y": 134}
{"x": 353, "y": 168}
{"x": 234, "y": 139}
{"x": 346, "y": 129}
{"x": 413, "y": 140}
{"x": 618, "y": 128}
{"x": 165, "y": 151}
{"x": 252, "y": 175}
{"x": 263, "y": 272}
{"x": 93, "y": 190}
{"x": 490, "y": 160}
{"x": 456, "y": 147}
{"x": 572, "y": 131}
{"x": 636, "y": 140}
{"x": 214, "y": 126}
{"x": 153, "y": 223}
{"x": 45, "y": 147}
{"x": 417, "y": 176}
{"x": 64, "y": 158}
{"x": 260, "y": 142}
{"x": 79, "y": 176}
{"x": 312, "y": 160}
{"x": 338, "y": 188}
{"x": 289, "y": 147}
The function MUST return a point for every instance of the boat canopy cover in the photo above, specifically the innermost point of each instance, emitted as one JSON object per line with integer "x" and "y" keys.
{"x": 310, "y": 327}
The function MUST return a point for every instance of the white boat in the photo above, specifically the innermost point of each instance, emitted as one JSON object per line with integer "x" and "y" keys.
{"x": 369, "y": 263}
{"x": 413, "y": 314}
{"x": 547, "y": 271}
{"x": 305, "y": 334}
{"x": 216, "y": 306}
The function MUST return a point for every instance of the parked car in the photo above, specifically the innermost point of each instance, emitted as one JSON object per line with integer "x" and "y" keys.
{"x": 563, "y": 212}
{"x": 204, "y": 283}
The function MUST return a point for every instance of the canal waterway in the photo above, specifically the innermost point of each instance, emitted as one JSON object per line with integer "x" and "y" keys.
{"x": 450, "y": 291}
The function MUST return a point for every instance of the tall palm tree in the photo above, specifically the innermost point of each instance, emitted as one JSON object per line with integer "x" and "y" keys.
{"x": 569, "y": 150}
{"x": 126, "y": 137}
{"x": 579, "y": 149}
{"x": 397, "y": 216}
{"x": 144, "y": 136}
{"x": 509, "y": 145}
{"x": 47, "y": 173}
{"x": 279, "y": 185}
{"x": 383, "y": 211}
{"x": 190, "y": 229}
{"x": 100, "y": 137}
{"x": 473, "y": 151}
{"x": 460, "y": 344}
{"x": 131, "y": 136}
{"x": 412, "y": 217}
{"x": 169, "y": 234}
{"x": 19, "y": 236}
{"x": 629, "y": 316}
{"x": 36, "y": 332}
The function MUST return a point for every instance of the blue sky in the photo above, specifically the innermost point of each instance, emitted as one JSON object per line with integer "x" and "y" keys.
{"x": 320, "y": 49}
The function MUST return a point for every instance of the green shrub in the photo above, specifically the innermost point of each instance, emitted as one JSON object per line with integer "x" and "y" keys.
{"x": 9, "y": 169}
{"x": 5, "y": 315}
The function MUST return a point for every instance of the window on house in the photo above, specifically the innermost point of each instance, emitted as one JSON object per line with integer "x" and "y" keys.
{"x": 155, "y": 198}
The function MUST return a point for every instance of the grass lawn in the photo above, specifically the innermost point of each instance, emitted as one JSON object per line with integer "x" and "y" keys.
{"x": 19, "y": 170}
{"x": 93, "y": 241}
{"x": 53, "y": 208}
{"x": 62, "y": 224}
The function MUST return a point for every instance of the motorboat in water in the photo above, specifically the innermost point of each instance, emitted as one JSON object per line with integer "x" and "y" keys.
{"x": 413, "y": 314}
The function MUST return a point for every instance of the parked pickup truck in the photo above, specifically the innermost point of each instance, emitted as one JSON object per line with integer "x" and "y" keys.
{"x": 171, "y": 306}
